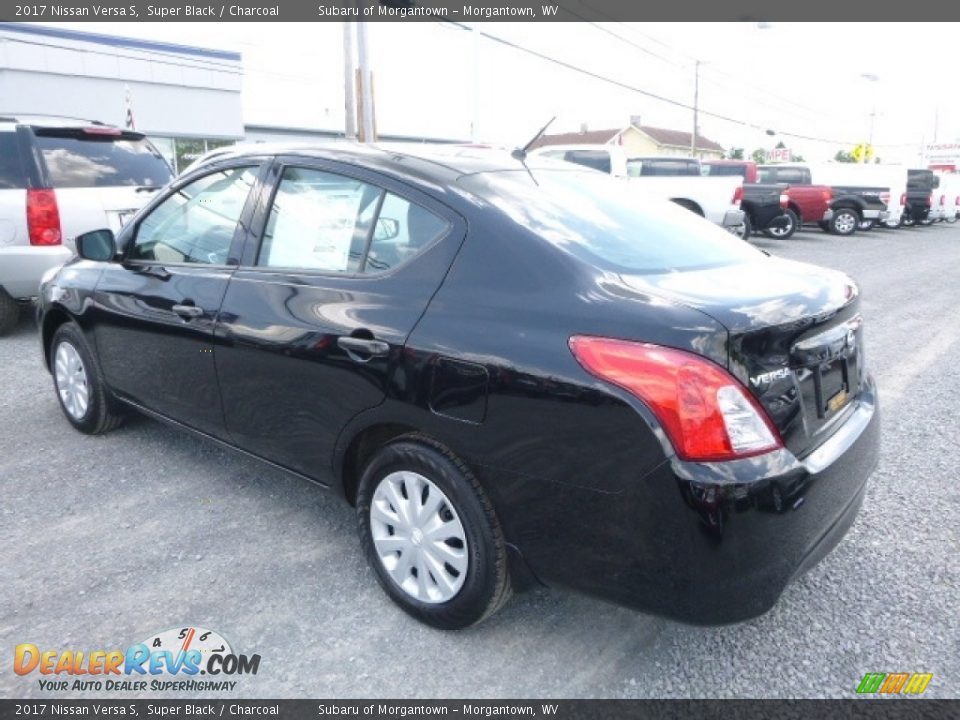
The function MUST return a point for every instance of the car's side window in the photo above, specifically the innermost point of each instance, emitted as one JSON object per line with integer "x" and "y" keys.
{"x": 327, "y": 222}
{"x": 403, "y": 229}
{"x": 319, "y": 221}
{"x": 196, "y": 224}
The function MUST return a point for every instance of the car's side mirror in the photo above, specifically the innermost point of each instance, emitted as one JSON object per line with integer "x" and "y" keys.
{"x": 387, "y": 229}
{"x": 99, "y": 245}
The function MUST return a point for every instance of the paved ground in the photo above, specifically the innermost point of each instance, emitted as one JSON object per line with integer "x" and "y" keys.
{"x": 106, "y": 540}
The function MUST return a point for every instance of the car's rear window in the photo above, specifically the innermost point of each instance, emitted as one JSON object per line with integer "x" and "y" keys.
{"x": 11, "y": 167}
{"x": 77, "y": 160}
{"x": 724, "y": 170}
{"x": 639, "y": 167}
{"x": 609, "y": 222}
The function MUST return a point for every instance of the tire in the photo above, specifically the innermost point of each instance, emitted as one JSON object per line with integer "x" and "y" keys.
{"x": 9, "y": 313}
{"x": 414, "y": 469}
{"x": 745, "y": 230}
{"x": 907, "y": 220}
{"x": 787, "y": 232}
{"x": 866, "y": 225}
{"x": 844, "y": 222}
{"x": 98, "y": 413}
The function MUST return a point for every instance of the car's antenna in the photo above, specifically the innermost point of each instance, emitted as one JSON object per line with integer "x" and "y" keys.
{"x": 521, "y": 153}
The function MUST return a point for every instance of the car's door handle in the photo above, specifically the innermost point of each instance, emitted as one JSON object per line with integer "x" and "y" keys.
{"x": 362, "y": 347}
{"x": 187, "y": 312}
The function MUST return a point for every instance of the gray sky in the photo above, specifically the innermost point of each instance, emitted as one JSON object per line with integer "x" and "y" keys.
{"x": 431, "y": 79}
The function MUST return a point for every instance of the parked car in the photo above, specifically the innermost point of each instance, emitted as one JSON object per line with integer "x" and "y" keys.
{"x": 918, "y": 199}
{"x": 60, "y": 177}
{"x": 677, "y": 179}
{"x": 766, "y": 205}
{"x": 848, "y": 206}
{"x": 517, "y": 373}
{"x": 950, "y": 196}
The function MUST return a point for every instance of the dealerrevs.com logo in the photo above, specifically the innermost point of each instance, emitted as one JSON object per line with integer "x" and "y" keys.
{"x": 170, "y": 660}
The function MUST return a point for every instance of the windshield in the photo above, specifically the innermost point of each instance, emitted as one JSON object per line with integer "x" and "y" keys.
{"x": 76, "y": 160}
{"x": 609, "y": 222}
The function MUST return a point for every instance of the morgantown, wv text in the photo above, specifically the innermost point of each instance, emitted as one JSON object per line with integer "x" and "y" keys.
{"x": 466, "y": 11}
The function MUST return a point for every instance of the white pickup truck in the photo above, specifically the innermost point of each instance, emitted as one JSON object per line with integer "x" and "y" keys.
{"x": 672, "y": 178}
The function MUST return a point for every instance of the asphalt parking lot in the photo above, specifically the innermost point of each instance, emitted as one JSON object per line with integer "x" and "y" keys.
{"x": 105, "y": 541}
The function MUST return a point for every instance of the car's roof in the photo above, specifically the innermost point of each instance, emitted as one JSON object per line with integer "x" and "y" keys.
{"x": 448, "y": 161}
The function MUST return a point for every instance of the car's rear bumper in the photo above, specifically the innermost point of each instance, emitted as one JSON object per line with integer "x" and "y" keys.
{"x": 22, "y": 267}
{"x": 733, "y": 218}
{"x": 718, "y": 543}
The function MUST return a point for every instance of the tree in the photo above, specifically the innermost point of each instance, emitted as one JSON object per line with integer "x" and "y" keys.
{"x": 759, "y": 155}
{"x": 735, "y": 154}
{"x": 843, "y": 156}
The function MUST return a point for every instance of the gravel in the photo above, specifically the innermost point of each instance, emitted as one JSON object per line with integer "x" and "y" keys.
{"x": 107, "y": 540}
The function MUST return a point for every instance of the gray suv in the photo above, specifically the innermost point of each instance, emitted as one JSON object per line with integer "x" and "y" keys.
{"x": 60, "y": 177}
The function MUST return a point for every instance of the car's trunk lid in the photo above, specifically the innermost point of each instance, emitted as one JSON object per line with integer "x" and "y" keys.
{"x": 795, "y": 337}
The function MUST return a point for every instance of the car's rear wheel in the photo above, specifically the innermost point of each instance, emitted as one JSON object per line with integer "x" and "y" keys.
{"x": 9, "y": 313}
{"x": 907, "y": 220}
{"x": 431, "y": 535}
{"x": 844, "y": 222}
{"x": 786, "y": 231}
{"x": 80, "y": 388}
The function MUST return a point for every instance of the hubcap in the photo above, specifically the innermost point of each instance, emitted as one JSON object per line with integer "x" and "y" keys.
{"x": 846, "y": 223}
{"x": 71, "y": 378}
{"x": 418, "y": 537}
{"x": 781, "y": 231}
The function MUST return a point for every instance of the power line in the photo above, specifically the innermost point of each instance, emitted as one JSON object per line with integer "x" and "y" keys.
{"x": 638, "y": 90}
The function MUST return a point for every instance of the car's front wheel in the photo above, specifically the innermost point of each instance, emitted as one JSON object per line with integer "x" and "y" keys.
{"x": 80, "y": 388}
{"x": 431, "y": 535}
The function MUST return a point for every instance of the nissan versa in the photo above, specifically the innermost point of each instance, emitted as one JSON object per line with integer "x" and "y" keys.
{"x": 517, "y": 372}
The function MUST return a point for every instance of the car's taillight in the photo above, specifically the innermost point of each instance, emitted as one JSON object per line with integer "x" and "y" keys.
{"x": 707, "y": 414}
{"x": 784, "y": 201}
{"x": 43, "y": 217}
{"x": 943, "y": 200}
{"x": 827, "y": 195}
{"x": 903, "y": 199}
{"x": 737, "y": 195}
{"x": 885, "y": 198}
{"x": 930, "y": 200}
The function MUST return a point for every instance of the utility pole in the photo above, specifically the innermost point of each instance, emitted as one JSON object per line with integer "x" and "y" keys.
{"x": 696, "y": 108}
{"x": 367, "y": 126}
{"x": 349, "y": 84}
{"x": 475, "y": 103}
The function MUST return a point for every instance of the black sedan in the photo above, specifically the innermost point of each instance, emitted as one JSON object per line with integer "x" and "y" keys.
{"x": 518, "y": 373}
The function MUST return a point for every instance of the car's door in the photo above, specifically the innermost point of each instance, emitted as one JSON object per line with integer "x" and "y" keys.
{"x": 155, "y": 308}
{"x": 340, "y": 267}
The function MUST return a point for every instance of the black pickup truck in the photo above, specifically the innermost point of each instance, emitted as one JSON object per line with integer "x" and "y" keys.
{"x": 763, "y": 203}
{"x": 920, "y": 184}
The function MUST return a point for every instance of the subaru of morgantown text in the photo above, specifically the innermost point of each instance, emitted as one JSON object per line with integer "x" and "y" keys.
{"x": 519, "y": 373}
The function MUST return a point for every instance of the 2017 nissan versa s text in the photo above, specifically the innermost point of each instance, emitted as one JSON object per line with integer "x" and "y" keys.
{"x": 517, "y": 373}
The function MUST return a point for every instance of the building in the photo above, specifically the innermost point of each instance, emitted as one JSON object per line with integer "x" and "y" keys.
{"x": 186, "y": 99}
{"x": 639, "y": 141}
